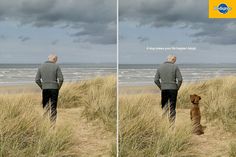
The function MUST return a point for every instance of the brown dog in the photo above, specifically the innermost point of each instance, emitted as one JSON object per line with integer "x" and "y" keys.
{"x": 195, "y": 115}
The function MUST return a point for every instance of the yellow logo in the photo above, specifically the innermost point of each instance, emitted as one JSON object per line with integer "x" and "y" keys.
{"x": 222, "y": 9}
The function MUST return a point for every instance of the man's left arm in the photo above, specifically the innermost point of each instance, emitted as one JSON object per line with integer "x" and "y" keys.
{"x": 60, "y": 77}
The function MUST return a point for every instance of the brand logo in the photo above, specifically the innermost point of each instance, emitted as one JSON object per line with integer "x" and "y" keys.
{"x": 223, "y": 8}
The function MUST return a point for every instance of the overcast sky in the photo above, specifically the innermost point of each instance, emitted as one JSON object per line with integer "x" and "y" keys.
{"x": 174, "y": 23}
{"x": 76, "y": 30}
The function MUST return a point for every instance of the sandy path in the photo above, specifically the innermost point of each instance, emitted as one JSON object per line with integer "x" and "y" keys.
{"x": 91, "y": 140}
{"x": 213, "y": 143}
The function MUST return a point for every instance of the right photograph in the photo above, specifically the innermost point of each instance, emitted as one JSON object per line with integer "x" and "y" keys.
{"x": 177, "y": 79}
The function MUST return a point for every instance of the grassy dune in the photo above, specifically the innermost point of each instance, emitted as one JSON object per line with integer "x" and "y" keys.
{"x": 144, "y": 133}
{"x": 25, "y": 132}
{"x": 97, "y": 98}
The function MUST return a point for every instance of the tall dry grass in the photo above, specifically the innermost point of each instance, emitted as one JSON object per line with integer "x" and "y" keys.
{"x": 24, "y": 132}
{"x": 144, "y": 133}
{"x": 232, "y": 150}
{"x": 97, "y": 97}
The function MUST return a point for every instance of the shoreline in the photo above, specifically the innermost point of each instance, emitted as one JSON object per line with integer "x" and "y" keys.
{"x": 18, "y": 88}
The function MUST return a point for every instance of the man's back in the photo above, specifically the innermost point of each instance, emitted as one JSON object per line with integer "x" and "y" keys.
{"x": 50, "y": 73}
{"x": 168, "y": 73}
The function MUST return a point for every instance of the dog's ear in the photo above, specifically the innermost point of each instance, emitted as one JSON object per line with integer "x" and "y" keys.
{"x": 192, "y": 97}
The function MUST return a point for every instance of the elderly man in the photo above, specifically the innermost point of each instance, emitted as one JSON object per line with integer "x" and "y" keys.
{"x": 50, "y": 79}
{"x": 169, "y": 79}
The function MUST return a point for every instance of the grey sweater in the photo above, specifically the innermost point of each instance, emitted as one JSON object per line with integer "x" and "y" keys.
{"x": 168, "y": 76}
{"x": 51, "y": 76}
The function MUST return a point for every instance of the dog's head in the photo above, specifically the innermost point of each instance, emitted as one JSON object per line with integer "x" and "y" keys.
{"x": 195, "y": 98}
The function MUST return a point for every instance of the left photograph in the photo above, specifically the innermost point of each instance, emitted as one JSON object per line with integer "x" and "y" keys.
{"x": 58, "y": 78}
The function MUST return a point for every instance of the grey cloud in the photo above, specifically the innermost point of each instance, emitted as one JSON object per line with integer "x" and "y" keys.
{"x": 143, "y": 39}
{"x": 223, "y": 33}
{"x": 35, "y": 6}
{"x": 23, "y": 38}
{"x": 65, "y": 26}
{"x": 183, "y": 14}
{"x": 101, "y": 34}
{"x": 109, "y": 39}
{"x": 164, "y": 12}
{"x": 75, "y": 14}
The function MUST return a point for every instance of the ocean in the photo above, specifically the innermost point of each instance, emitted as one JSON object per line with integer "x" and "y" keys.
{"x": 129, "y": 74}
{"x": 16, "y": 74}
{"x": 143, "y": 74}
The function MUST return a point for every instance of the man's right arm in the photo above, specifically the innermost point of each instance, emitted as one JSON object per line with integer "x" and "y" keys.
{"x": 179, "y": 77}
{"x": 38, "y": 78}
{"x": 157, "y": 79}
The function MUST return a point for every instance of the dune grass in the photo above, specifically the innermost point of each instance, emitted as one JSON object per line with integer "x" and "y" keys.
{"x": 97, "y": 97}
{"x": 24, "y": 133}
{"x": 144, "y": 133}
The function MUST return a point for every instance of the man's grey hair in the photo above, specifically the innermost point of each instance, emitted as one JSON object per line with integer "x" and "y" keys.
{"x": 171, "y": 57}
{"x": 52, "y": 57}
